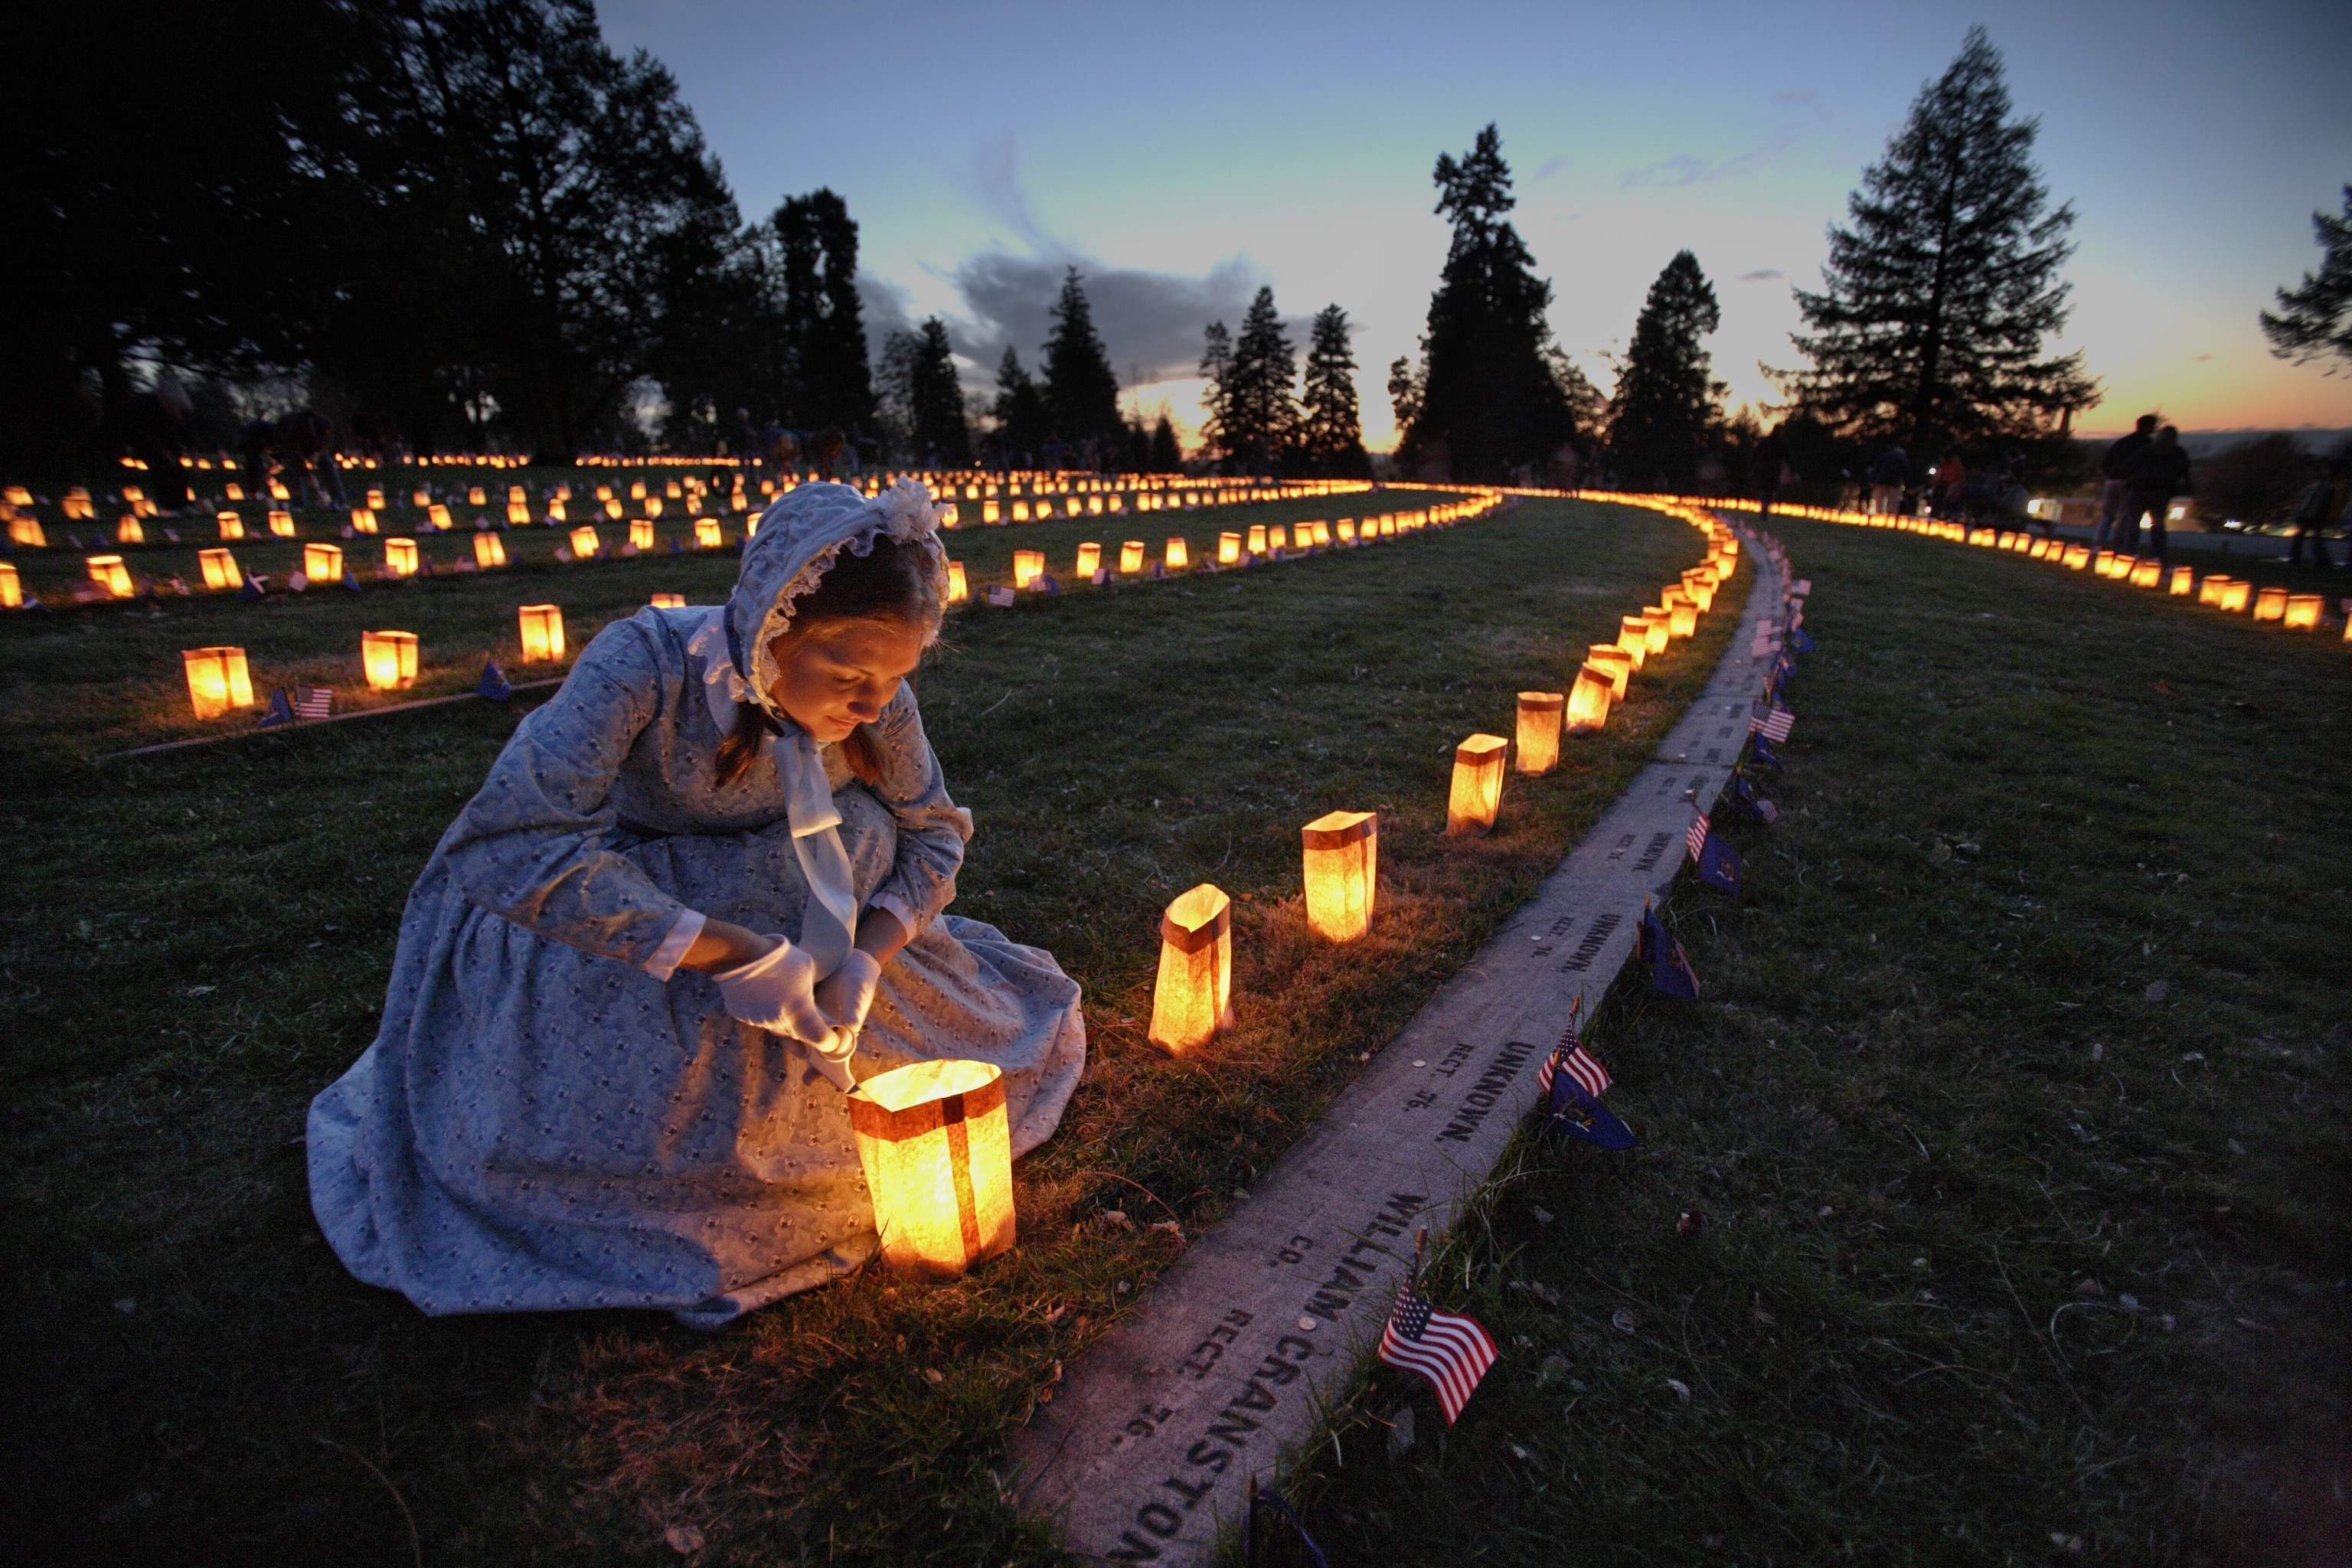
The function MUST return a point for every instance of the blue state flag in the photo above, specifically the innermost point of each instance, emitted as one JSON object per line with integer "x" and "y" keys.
{"x": 1718, "y": 865}
{"x": 494, "y": 682}
{"x": 280, "y": 711}
{"x": 1670, "y": 968}
{"x": 1573, "y": 1113}
{"x": 1799, "y": 641}
{"x": 1760, "y": 753}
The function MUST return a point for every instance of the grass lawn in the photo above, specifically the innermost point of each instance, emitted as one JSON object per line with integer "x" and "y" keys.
{"x": 199, "y": 941}
{"x": 2013, "y": 1114}
{"x": 108, "y": 677}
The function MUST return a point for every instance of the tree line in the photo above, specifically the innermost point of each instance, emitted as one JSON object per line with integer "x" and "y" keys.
{"x": 471, "y": 220}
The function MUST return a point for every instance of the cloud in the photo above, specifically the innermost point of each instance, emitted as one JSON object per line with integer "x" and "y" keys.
{"x": 1762, "y": 274}
{"x": 991, "y": 179}
{"x": 884, "y": 305}
{"x": 1803, "y": 112}
{"x": 1551, "y": 166}
{"x": 1150, "y": 321}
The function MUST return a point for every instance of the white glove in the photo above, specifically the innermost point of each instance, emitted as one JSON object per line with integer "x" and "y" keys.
{"x": 830, "y": 1056}
{"x": 847, "y": 994}
{"x": 776, "y": 992}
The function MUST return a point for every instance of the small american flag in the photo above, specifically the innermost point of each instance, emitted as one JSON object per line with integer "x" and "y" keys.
{"x": 1577, "y": 1063}
{"x": 1775, "y": 726}
{"x": 313, "y": 702}
{"x": 1695, "y": 839}
{"x": 1454, "y": 1352}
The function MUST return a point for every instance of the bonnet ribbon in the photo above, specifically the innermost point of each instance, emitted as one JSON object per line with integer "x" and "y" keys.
{"x": 829, "y": 924}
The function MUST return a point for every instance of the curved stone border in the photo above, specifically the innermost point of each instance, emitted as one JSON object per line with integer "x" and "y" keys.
{"x": 1147, "y": 1451}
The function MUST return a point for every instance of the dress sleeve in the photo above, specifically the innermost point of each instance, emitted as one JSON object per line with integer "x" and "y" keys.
{"x": 531, "y": 846}
{"x": 931, "y": 827}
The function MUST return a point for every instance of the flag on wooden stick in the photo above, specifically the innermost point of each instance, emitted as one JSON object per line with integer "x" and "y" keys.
{"x": 1451, "y": 1350}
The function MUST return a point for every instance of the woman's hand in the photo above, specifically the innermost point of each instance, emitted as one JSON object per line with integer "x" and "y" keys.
{"x": 847, "y": 994}
{"x": 776, "y": 992}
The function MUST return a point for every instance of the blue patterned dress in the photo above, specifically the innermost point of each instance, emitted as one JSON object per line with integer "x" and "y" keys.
{"x": 545, "y": 1123}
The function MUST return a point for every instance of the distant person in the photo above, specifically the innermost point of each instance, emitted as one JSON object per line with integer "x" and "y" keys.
{"x": 1772, "y": 470}
{"x": 156, "y": 427}
{"x": 307, "y": 438}
{"x": 1951, "y": 487}
{"x": 1887, "y": 478}
{"x": 2112, "y": 489}
{"x": 2151, "y": 479}
{"x": 825, "y": 452}
{"x": 2321, "y": 502}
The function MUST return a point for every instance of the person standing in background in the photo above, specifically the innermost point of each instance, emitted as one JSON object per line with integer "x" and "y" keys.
{"x": 1771, "y": 469}
{"x": 1887, "y": 478}
{"x": 2322, "y": 499}
{"x": 2151, "y": 479}
{"x": 2111, "y": 491}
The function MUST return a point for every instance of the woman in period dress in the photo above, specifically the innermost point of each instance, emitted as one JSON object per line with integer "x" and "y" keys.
{"x": 698, "y": 896}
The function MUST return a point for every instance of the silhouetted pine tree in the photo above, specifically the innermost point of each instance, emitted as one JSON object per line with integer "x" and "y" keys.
{"x": 2316, "y": 319}
{"x": 1935, "y": 303}
{"x": 1487, "y": 402}
{"x": 1667, "y": 398}
{"x": 935, "y": 400}
{"x": 832, "y": 384}
{"x": 1023, "y": 420}
{"x": 1081, "y": 391}
{"x": 1331, "y": 427}
{"x": 1259, "y": 413}
{"x": 1166, "y": 452}
{"x": 1216, "y": 367}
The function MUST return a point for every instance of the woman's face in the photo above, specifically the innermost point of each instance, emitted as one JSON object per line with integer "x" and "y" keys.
{"x": 832, "y": 676}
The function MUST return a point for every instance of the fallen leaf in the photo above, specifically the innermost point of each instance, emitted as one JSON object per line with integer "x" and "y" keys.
{"x": 1553, "y": 1366}
{"x": 1681, "y": 1389}
{"x": 683, "y": 1538}
{"x": 933, "y": 1374}
{"x": 202, "y": 989}
{"x": 1622, "y": 1319}
{"x": 1401, "y": 1432}
{"x": 1117, "y": 1219}
{"x": 1689, "y": 1221}
{"x": 2090, "y": 1288}
{"x": 2157, "y": 990}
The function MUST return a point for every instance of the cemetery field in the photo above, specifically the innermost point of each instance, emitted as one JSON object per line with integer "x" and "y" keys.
{"x": 2011, "y": 1124}
{"x": 199, "y": 941}
{"x": 91, "y": 680}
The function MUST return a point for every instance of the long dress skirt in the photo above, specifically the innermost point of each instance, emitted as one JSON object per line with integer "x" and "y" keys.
{"x": 536, "y": 1128}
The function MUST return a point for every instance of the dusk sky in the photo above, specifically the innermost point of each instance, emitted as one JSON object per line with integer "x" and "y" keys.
{"x": 1182, "y": 156}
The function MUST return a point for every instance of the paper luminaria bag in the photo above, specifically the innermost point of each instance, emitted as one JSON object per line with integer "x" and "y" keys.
{"x": 1341, "y": 852}
{"x": 938, "y": 1155}
{"x": 1193, "y": 999}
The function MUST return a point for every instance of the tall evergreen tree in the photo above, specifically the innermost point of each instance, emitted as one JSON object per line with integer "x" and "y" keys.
{"x": 1935, "y": 304}
{"x": 1261, "y": 415}
{"x": 935, "y": 400}
{"x": 1167, "y": 454}
{"x": 1216, "y": 368}
{"x": 1081, "y": 389}
{"x": 824, "y": 321}
{"x": 1023, "y": 423}
{"x": 2316, "y": 319}
{"x": 1331, "y": 427}
{"x": 1667, "y": 398}
{"x": 1404, "y": 395}
{"x": 1487, "y": 402}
